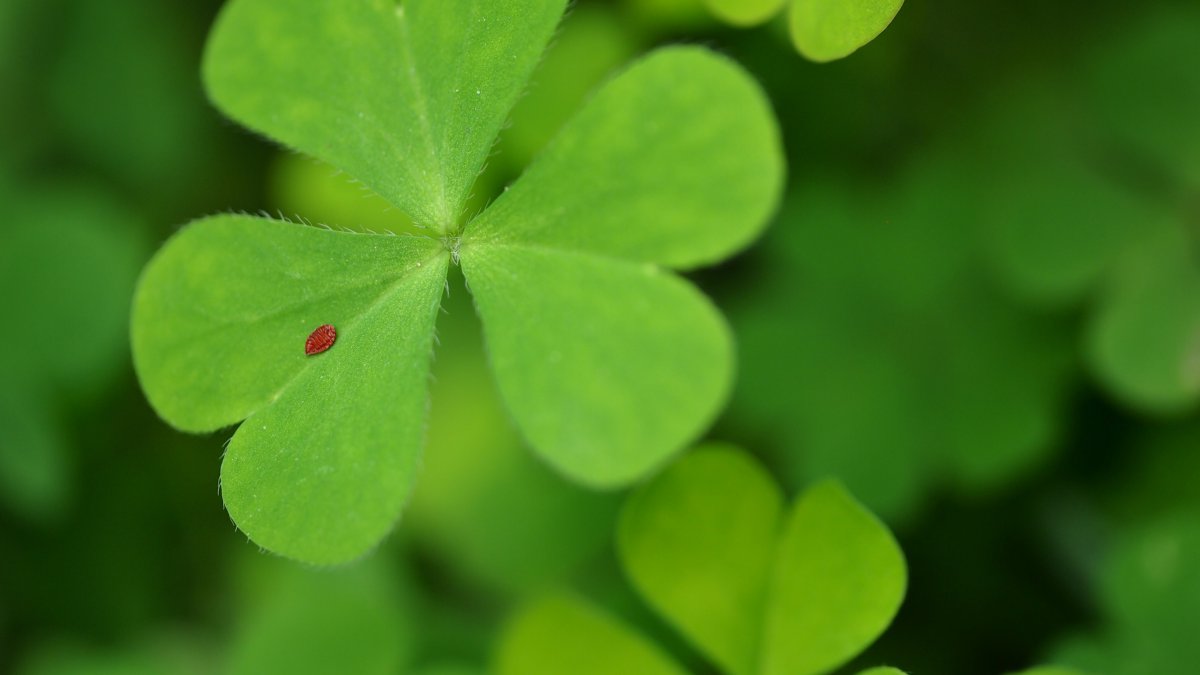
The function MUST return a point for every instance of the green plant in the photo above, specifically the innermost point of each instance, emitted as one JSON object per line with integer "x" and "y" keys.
{"x": 70, "y": 254}
{"x": 587, "y": 329}
{"x": 822, "y": 30}
{"x": 753, "y": 585}
{"x": 1147, "y": 590}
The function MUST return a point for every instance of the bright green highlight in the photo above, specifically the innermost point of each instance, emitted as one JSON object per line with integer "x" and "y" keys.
{"x": 825, "y": 30}
{"x": 325, "y": 461}
{"x": 698, "y": 543}
{"x": 839, "y": 578}
{"x": 406, "y": 98}
{"x": 562, "y": 634}
{"x": 708, "y": 545}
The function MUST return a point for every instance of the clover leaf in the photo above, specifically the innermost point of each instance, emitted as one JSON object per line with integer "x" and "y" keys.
{"x": 756, "y": 587}
{"x": 607, "y": 361}
{"x": 821, "y": 30}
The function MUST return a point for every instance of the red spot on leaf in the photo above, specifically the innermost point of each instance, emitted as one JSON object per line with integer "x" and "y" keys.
{"x": 320, "y": 339}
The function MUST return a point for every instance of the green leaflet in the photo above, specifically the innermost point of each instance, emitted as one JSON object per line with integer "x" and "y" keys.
{"x": 758, "y": 591}
{"x": 698, "y": 543}
{"x": 839, "y": 579}
{"x": 608, "y": 363}
{"x": 407, "y": 97}
{"x": 580, "y": 383}
{"x": 825, "y": 30}
{"x": 562, "y": 634}
{"x": 1144, "y": 340}
{"x": 873, "y": 348}
{"x": 617, "y": 180}
{"x": 323, "y": 464}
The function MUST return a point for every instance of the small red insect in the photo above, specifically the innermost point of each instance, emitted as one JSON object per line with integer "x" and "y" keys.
{"x": 320, "y": 339}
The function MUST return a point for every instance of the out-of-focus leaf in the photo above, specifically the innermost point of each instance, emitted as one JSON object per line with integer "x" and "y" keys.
{"x": 837, "y": 582}
{"x": 659, "y": 17}
{"x": 707, "y": 544}
{"x": 875, "y": 350}
{"x": 1144, "y": 339}
{"x": 1144, "y": 90}
{"x": 302, "y": 187}
{"x": 161, "y": 655}
{"x": 1150, "y": 591}
{"x": 316, "y": 622}
{"x": 131, "y": 103}
{"x": 1050, "y": 670}
{"x": 825, "y": 30}
{"x": 34, "y": 457}
{"x": 745, "y": 12}
{"x": 69, "y": 255}
{"x": 561, "y": 634}
{"x": 698, "y": 543}
{"x": 74, "y": 253}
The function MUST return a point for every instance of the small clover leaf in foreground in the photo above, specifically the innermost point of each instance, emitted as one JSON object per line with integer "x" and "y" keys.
{"x": 755, "y": 586}
{"x": 606, "y": 360}
{"x": 821, "y": 30}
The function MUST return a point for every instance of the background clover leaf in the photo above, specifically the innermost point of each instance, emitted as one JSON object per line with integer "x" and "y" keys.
{"x": 407, "y": 98}
{"x": 758, "y": 591}
{"x": 564, "y": 634}
{"x": 821, "y": 30}
{"x": 825, "y": 30}
{"x": 699, "y": 542}
{"x": 607, "y": 362}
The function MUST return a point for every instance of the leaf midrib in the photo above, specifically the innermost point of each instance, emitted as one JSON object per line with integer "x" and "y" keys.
{"x": 421, "y": 107}
{"x": 385, "y": 295}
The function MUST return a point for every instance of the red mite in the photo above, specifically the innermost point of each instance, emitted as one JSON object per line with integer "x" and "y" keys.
{"x": 320, "y": 340}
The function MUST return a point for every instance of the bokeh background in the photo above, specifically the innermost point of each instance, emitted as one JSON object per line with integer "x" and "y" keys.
{"x": 979, "y": 307}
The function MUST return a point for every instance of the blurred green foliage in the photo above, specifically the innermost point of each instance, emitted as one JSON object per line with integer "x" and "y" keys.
{"x": 977, "y": 310}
